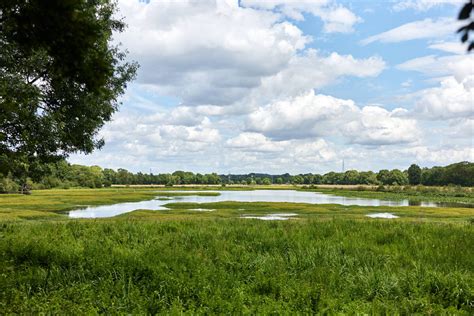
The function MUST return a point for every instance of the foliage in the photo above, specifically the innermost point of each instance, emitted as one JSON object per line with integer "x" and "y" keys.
{"x": 465, "y": 14}
{"x": 7, "y": 185}
{"x": 63, "y": 175}
{"x": 414, "y": 194}
{"x": 60, "y": 78}
{"x": 236, "y": 266}
{"x": 414, "y": 174}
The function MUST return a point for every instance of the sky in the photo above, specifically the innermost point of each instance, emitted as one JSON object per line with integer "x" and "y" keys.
{"x": 281, "y": 86}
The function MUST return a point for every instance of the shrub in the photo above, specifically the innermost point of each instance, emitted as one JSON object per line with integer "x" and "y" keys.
{"x": 7, "y": 185}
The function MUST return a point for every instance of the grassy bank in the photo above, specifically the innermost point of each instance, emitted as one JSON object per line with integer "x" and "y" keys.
{"x": 414, "y": 194}
{"x": 50, "y": 204}
{"x": 236, "y": 266}
{"x": 304, "y": 211}
{"x": 204, "y": 258}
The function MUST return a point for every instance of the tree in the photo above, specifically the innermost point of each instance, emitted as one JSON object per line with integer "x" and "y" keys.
{"x": 367, "y": 177}
{"x": 461, "y": 173}
{"x": 60, "y": 78}
{"x": 397, "y": 177}
{"x": 414, "y": 174}
{"x": 351, "y": 177}
{"x": 298, "y": 179}
{"x": 465, "y": 14}
{"x": 332, "y": 178}
{"x": 384, "y": 176}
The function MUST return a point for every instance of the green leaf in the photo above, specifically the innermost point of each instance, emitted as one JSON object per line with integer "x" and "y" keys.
{"x": 466, "y": 11}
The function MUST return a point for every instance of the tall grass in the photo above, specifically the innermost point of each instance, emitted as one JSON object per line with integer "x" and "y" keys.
{"x": 236, "y": 266}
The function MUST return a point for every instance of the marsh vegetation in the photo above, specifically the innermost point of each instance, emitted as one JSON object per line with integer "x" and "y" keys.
{"x": 220, "y": 257}
{"x": 134, "y": 264}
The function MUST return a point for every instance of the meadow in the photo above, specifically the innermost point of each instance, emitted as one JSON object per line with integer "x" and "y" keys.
{"x": 330, "y": 259}
{"x": 448, "y": 194}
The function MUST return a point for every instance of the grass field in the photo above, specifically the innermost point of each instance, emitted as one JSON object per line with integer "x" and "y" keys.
{"x": 51, "y": 204}
{"x": 414, "y": 194}
{"x": 330, "y": 259}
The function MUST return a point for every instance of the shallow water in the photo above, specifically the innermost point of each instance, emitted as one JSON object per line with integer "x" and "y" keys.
{"x": 271, "y": 217}
{"x": 382, "y": 215}
{"x": 291, "y": 196}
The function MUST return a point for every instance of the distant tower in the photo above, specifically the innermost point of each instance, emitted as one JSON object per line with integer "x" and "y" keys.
{"x": 342, "y": 165}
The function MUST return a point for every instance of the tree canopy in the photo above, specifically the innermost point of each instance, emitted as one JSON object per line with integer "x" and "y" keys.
{"x": 414, "y": 174}
{"x": 60, "y": 78}
{"x": 465, "y": 15}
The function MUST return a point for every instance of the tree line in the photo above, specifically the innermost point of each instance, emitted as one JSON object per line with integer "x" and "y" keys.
{"x": 64, "y": 175}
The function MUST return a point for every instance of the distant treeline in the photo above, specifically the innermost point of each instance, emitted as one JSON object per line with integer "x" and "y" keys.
{"x": 65, "y": 175}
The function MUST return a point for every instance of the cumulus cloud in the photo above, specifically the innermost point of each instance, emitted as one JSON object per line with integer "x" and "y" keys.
{"x": 336, "y": 18}
{"x": 313, "y": 70}
{"x": 423, "y": 29}
{"x": 215, "y": 53}
{"x": 453, "y": 97}
{"x": 377, "y": 126}
{"x": 254, "y": 142}
{"x": 141, "y": 136}
{"x": 206, "y": 52}
{"x": 245, "y": 79}
{"x": 311, "y": 115}
{"x": 299, "y": 151}
{"x": 312, "y": 152}
{"x": 304, "y": 116}
{"x": 440, "y": 155}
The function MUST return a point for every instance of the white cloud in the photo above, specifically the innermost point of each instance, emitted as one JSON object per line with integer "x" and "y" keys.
{"x": 307, "y": 115}
{"x": 458, "y": 66}
{"x": 424, "y": 5}
{"x": 299, "y": 151}
{"x": 313, "y": 70}
{"x": 449, "y": 47}
{"x": 255, "y": 142}
{"x": 206, "y": 52}
{"x": 454, "y": 95}
{"x": 236, "y": 52}
{"x": 437, "y": 155}
{"x": 407, "y": 83}
{"x": 140, "y": 136}
{"x": 461, "y": 128}
{"x": 312, "y": 152}
{"x": 336, "y": 18}
{"x": 311, "y": 115}
{"x": 377, "y": 126}
{"x": 452, "y": 99}
{"x": 423, "y": 29}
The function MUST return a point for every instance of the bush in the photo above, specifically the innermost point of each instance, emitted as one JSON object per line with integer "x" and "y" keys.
{"x": 7, "y": 185}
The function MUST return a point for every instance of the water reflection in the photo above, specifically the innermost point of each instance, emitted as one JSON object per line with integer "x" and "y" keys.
{"x": 290, "y": 196}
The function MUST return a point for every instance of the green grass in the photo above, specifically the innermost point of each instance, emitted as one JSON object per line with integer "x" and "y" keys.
{"x": 425, "y": 194}
{"x": 329, "y": 259}
{"x": 308, "y": 211}
{"x": 52, "y": 204}
{"x": 236, "y": 266}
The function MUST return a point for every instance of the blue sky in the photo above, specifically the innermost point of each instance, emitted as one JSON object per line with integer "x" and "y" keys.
{"x": 291, "y": 86}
